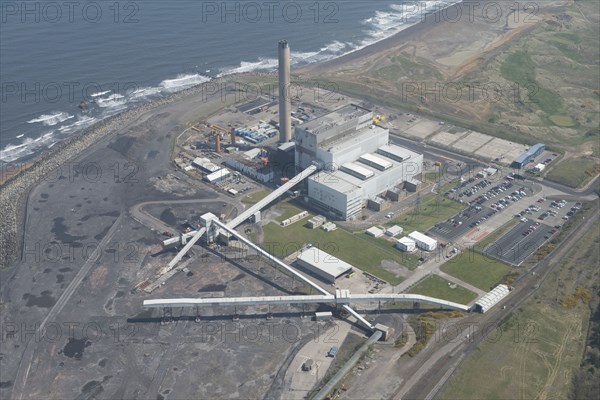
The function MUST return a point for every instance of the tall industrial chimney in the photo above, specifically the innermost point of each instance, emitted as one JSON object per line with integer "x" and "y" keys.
{"x": 217, "y": 142}
{"x": 232, "y": 136}
{"x": 285, "y": 102}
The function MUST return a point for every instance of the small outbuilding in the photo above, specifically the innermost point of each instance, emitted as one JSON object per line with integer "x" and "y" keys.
{"x": 374, "y": 231}
{"x": 406, "y": 244}
{"x": 394, "y": 231}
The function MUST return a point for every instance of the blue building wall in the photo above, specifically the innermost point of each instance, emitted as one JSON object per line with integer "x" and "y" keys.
{"x": 524, "y": 158}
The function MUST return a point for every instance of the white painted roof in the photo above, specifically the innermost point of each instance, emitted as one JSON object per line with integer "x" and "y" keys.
{"x": 393, "y": 230}
{"x": 377, "y": 162}
{"x": 374, "y": 231}
{"x": 406, "y": 241}
{"x": 418, "y": 236}
{"x": 324, "y": 261}
{"x": 493, "y": 297}
{"x": 357, "y": 170}
{"x": 396, "y": 151}
{"x": 217, "y": 174}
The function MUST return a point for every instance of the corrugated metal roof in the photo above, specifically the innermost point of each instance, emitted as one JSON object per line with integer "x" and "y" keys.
{"x": 492, "y": 298}
{"x": 532, "y": 150}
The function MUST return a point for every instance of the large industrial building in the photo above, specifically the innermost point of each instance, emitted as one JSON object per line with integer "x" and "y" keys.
{"x": 322, "y": 264}
{"x": 356, "y": 159}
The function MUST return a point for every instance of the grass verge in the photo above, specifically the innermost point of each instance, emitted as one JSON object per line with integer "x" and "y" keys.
{"x": 430, "y": 213}
{"x": 476, "y": 269}
{"x": 255, "y": 197}
{"x": 436, "y": 286}
{"x": 574, "y": 172}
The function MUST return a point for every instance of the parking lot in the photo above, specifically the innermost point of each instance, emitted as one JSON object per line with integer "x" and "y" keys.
{"x": 485, "y": 198}
{"x": 538, "y": 223}
{"x": 461, "y": 223}
{"x": 520, "y": 242}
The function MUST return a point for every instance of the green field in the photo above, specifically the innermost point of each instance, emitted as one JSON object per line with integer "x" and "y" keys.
{"x": 352, "y": 248}
{"x": 520, "y": 69}
{"x": 428, "y": 215}
{"x": 574, "y": 172}
{"x": 438, "y": 287}
{"x": 409, "y": 260}
{"x": 255, "y": 197}
{"x": 432, "y": 176}
{"x": 289, "y": 210}
{"x": 535, "y": 353}
{"x": 476, "y": 269}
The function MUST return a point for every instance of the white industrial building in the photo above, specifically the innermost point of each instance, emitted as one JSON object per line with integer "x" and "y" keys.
{"x": 217, "y": 176}
{"x": 422, "y": 241}
{"x": 406, "y": 244}
{"x": 356, "y": 160}
{"x": 374, "y": 231}
{"x": 205, "y": 165}
{"x": 491, "y": 298}
{"x": 253, "y": 170}
{"x": 394, "y": 230}
{"x": 323, "y": 265}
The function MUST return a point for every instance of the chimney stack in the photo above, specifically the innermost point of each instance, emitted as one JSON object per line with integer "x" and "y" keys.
{"x": 285, "y": 102}
{"x": 217, "y": 142}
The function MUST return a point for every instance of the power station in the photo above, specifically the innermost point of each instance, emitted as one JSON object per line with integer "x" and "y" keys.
{"x": 285, "y": 102}
{"x": 357, "y": 162}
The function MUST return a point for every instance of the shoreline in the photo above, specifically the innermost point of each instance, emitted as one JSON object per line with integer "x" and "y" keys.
{"x": 15, "y": 189}
{"x": 384, "y": 44}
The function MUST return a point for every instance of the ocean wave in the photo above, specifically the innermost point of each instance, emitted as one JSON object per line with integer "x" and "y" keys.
{"x": 82, "y": 122}
{"x": 385, "y": 24}
{"x": 52, "y": 119}
{"x": 249, "y": 66}
{"x": 113, "y": 101}
{"x": 29, "y": 146}
{"x": 183, "y": 81}
{"x": 98, "y": 94}
{"x": 144, "y": 92}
